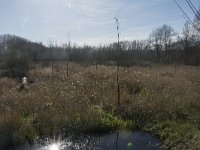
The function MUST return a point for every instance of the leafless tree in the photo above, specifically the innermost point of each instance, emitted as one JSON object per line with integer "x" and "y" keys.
{"x": 195, "y": 23}
{"x": 162, "y": 39}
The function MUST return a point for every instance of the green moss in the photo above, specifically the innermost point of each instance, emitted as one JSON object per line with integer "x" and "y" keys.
{"x": 113, "y": 122}
{"x": 108, "y": 121}
{"x": 27, "y": 131}
{"x": 174, "y": 133}
{"x": 100, "y": 121}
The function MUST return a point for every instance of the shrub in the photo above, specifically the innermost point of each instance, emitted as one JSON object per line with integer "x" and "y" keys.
{"x": 16, "y": 64}
{"x": 174, "y": 133}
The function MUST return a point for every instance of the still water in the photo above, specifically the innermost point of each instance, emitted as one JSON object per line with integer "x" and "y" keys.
{"x": 123, "y": 140}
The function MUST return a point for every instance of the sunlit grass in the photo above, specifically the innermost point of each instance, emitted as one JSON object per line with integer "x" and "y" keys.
{"x": 86, "y": 100}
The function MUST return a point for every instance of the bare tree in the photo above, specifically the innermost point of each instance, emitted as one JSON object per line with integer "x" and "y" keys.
{"x": 194, "y": 10}
{"x": 162, "y": 39}
{"x": 156, "y": 40}
{"x": 191, "y": 44}
{"x": 186, "y": 39}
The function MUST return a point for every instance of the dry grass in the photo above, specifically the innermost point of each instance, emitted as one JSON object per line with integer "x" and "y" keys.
{"x": 57, "y": 103}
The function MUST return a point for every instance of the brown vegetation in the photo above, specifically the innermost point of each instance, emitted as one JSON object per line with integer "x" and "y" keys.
{"x": 87, "y": 98}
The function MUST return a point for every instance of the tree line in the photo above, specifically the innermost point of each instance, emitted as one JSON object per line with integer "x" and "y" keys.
{"x": 164, "y": 46}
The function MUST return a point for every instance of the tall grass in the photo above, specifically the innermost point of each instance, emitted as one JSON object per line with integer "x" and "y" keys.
{"x": 85, "y": 101}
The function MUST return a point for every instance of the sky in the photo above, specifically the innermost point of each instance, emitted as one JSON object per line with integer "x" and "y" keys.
{"x": 89, "y": 21}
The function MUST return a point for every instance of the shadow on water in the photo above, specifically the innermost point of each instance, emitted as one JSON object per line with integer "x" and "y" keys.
{"x": 123, "y": 140}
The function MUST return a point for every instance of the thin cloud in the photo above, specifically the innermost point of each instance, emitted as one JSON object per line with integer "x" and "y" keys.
{"x": 47, "y": 17}
{"x": 88, "y": 20}
{"x": 25, "y": 20}
{"x": 69, "y": 5}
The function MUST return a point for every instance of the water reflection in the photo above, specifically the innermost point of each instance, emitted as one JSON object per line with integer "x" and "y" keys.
{"x": 122, "y": 140}
{"x": 54, "y": 146}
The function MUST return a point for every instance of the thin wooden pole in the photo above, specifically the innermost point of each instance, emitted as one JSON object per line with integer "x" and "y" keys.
{"x": 118, "y": 46}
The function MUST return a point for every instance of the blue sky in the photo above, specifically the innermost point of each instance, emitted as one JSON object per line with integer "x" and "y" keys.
{"x": 88, "y": 21}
